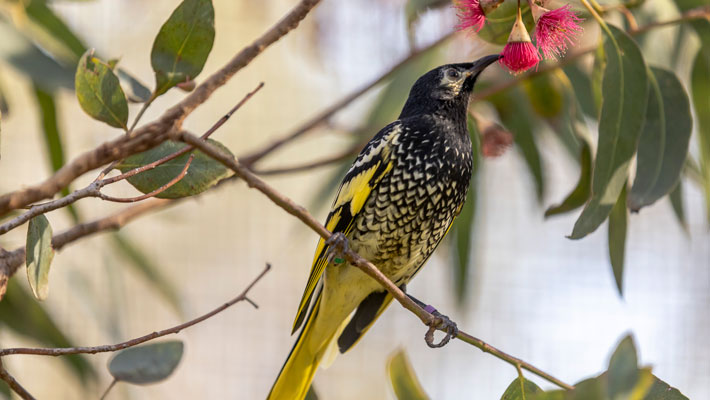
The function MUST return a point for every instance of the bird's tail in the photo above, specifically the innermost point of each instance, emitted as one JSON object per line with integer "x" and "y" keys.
{"x": 298, "y": 371}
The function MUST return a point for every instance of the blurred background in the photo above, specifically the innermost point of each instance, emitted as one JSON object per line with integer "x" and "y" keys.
{"x": 529, "y": 290}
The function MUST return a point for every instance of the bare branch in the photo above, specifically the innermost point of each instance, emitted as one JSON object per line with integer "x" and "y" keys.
{"x": 61, "y": 351}
{"x": 352, "y": 151}
{"x": 160, "y": 130}
{"x": 352, "y": 257}
{"x": 14, "y": 384}
{"x": 93, "y": 189}
{"x": 155, "y": 192}
{"x": 324, "y": 115}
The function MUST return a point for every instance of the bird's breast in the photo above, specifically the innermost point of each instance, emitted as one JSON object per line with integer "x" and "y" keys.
{"x": 410, "y": 211}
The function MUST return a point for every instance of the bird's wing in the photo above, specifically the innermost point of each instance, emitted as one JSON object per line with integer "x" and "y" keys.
{"x": 371, "y": 165}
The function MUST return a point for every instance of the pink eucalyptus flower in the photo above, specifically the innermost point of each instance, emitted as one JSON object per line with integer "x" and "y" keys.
{"x": 472, "y": 13}
{"x": 555, "y": 29}
{"x": 519, "y": 54}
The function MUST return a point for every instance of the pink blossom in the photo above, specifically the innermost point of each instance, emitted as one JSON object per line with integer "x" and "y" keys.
{"x": 470, "y": 15}
{"x": 519, "y": 54}
{"x": 555, "y": 30}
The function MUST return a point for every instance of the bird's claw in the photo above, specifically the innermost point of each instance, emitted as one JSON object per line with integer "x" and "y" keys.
{"x": 337, "y": 247}
{"x": 441, "y": 322}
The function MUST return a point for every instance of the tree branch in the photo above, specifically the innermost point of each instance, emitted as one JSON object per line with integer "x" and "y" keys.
{"x": 14, "y": 384}
{"x": 323, "y": 116}
{"x": 352, "y": 257}
{"x": 61, "y": 351}
{"x": 160, "y": 130}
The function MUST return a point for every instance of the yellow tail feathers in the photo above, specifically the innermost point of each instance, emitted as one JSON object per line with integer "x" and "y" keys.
{"x": 296, "y": 376}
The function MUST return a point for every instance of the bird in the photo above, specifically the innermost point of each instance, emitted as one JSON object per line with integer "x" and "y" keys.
{"x": 394, "y": 206}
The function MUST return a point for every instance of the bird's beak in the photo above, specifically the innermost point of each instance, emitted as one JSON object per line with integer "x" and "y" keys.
{"x": 481, "y": 64}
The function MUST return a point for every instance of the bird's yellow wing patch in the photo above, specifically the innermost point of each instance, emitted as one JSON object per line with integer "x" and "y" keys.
{"x": 353, "y": 193}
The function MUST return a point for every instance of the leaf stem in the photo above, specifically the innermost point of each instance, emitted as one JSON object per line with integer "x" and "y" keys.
{"x": 110, "y": 386}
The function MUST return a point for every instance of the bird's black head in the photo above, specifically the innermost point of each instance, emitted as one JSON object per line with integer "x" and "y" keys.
{"x": 445, "y": 89}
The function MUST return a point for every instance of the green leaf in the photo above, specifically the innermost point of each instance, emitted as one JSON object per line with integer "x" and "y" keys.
{"x": 404, "y": 381}
{"x": 624, "y": 89}
{"x": 144, "y": 265}
{"x": 28, "y": 318}
{"x": 597, "y": 78}
{"x": 545, "y": 95}
{"x": 521, "y": 389}
{"x": 27, "y": 58}
{"x": 500, "y": 21}
{"x": 589, "y": 389}
{"x": 38, "y": 255}
{"x": 663, "y": 391}
{"x": 515, "y": 116}
{"x": 580, "y": 194}
{"x": 676, "y": 198}
{"x": 623, "y": 370}
{"x": 700, "y": 81}
{"x": 617, "y": 239}
{"x": 4, "y": 105}
{"x": 52, "y": 138}
{"x": 136, "y": 92}
{"x": 582, "y": 88}
{"x": 99, "y": 93}
{"x": 663, "y": 147}
{"x": 204, "y": 172}
{"x": 183, "y": 44}
{"x": 147, "y": 363}
{"x": 53, "y": 27}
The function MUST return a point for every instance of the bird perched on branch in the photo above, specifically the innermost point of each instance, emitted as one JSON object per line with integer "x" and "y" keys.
{"x": 394, "y": 206}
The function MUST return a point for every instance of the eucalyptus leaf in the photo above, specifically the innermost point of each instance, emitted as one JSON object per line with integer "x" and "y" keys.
{"x": 521, "y": 389}
{"x": 54, "y": 27}
{"x": 403, "y": 379}
{"x": 623, "y": 370}
{"x": 53, "y": 138}
{"x": 663, "y": 147}
{"x": 624, "y": 90}
{"x": 183, "y": 44}
{"x": 676, "y": 199}
{"x": 147, "y": 363}
{"x": 618, "y": 219}
{"x": 136, "y": 91}
{"x": 204, "y": 171}
{"x": 700, "y": 81}
{"x": 545, "y": 95}
{"x": 581, "y": 192}
{"x": 38, "y": 255}
{"x": 516, "y": 116}
{"x": 99, "y": 92}
{"x": 662, "y": 391}
{"x": 582, "y": 85}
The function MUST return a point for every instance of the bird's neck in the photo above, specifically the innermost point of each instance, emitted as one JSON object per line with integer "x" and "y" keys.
{"x": 448, "y": 112}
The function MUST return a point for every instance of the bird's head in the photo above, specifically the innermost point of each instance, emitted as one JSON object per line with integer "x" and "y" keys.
{"x": 445, "y": 87}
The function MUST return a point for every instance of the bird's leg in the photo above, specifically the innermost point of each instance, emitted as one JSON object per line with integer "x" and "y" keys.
{"x": 442, "y": 322}
{"x": 337, "y": 247}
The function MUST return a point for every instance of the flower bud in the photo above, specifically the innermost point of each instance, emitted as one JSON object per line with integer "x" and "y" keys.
{"x": 519, "y": 54}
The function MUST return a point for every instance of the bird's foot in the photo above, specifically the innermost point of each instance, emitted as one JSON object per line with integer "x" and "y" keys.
{"x": 441, "y": 322}
{"x": 337, "y": 247}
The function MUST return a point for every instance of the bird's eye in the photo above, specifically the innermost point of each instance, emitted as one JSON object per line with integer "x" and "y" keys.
{"x": 453, "y": 74}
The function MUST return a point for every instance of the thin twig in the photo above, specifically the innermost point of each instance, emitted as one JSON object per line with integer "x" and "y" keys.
{"x": 156, "y": 132}
{"x": 353, "y": 150}
{"x": 61, "y": 351}
{"x": 521, "y": 378}
{"x": 352, "y": 257}
{"x": 93, "y": 189}
{"x": 155, "y": 192}
{"x": 324, "y": 115}
{"x": 14, "y": 384}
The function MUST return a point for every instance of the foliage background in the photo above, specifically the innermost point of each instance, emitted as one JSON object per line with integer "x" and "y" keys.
{"x": 533, "y": 292}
